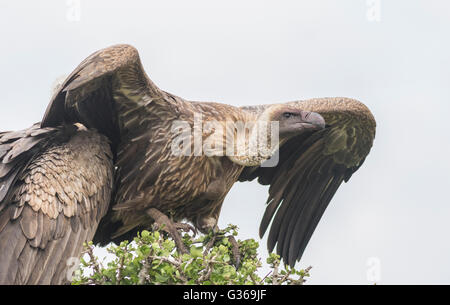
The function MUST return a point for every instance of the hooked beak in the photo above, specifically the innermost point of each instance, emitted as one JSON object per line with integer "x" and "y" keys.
{"x": 312, "y": 120}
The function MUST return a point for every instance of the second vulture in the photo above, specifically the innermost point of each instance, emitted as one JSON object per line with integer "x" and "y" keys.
{"x": 114, "y": 154}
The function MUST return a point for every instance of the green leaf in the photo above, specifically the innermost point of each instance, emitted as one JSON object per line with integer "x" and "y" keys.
{"x": 226, "y": 258}
{"x": 196, "y": 251}
{"x": 161, "y": 278}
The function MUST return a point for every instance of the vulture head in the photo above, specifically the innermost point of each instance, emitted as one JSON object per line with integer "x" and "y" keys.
{"x": 273, "y": 127}
{"x": 293, "y": 121}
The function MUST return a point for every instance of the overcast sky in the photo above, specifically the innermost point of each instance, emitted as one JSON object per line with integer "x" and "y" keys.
{"x": 395, "y": 57}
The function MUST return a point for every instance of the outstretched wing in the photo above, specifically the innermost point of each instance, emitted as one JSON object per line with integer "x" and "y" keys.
{"x": 310, "y": 170}
{"x": 55, "y": 186}
{"x": 108, "y": 91}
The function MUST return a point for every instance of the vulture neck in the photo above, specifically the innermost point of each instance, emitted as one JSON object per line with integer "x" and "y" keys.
{"x": 255, "y": 142}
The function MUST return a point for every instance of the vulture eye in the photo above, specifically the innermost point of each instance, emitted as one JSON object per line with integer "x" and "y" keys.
{"x": 287, "y": 115}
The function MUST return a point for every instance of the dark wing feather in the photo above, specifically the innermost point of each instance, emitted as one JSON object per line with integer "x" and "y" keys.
{"x": 17, "y": 149}
{"x": 311, "y": 169}
{"x": 108, "y": 91}
{"x": 56, "y": 185}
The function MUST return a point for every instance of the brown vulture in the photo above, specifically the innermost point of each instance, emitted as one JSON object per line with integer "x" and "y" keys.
{"x": 101, "y": 165}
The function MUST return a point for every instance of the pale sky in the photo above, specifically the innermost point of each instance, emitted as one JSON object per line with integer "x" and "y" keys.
{"x": 394, "y": 211}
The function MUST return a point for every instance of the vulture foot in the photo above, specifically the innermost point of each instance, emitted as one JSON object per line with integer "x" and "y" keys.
{"x": 235, "y": 251}
{"x": 217, "y": 235}
{"x": 185, "y": 227}
{"x": 164, "y": 223}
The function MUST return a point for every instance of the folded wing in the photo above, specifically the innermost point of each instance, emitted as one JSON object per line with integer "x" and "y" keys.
{"x": 55, "y": 186}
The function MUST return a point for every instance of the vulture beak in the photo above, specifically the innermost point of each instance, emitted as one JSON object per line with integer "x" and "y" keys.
{"x": 312, "y": 120}
{"x": 297, "y": 122}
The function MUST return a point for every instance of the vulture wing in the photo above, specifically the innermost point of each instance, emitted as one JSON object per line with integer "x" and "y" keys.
{"x": 311, "y": 169}
{"x": 55, "y": 186}
{"x": 108, "y": 91}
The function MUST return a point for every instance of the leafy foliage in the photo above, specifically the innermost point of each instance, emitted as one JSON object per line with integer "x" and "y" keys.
{"x": 152, "y": 258}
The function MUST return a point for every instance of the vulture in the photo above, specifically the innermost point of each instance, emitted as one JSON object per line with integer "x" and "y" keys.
{"x": 114, "y": 154}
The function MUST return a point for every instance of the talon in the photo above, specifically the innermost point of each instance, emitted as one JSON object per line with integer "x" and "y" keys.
{"x": 236, "y": 254}
{"x": 164, "y": 223}
{"x": 186, "y": 227}
{"x": 235, "y": 251}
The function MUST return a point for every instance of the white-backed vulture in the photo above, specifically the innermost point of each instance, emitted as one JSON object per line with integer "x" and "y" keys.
{"x": 109, "y": 97}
